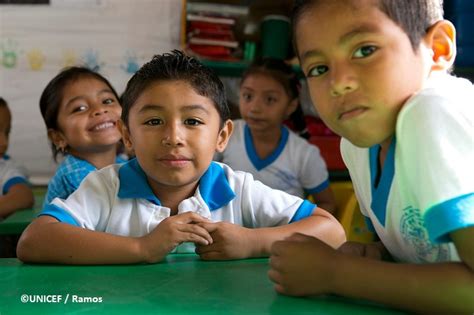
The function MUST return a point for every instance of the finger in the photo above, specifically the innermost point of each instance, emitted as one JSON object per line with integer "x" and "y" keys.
{"x": 274, "y": 276}
{"x": 207, "y": 249}
{"x": 196, "y": 229}
{"x": 191, "y": 217}
{"x": 279, "y": 248}
{"x": 192, "y": 237}
{"x": 209, "y": 226}
{"x": 275, "y": 263}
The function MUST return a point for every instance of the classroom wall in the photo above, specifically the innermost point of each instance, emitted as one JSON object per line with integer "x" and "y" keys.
{"x": 36, "y": 41}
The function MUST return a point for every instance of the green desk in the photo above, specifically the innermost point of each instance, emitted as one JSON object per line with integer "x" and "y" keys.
{"x": 19, "y": 220}
{"x": 181, "y": 285}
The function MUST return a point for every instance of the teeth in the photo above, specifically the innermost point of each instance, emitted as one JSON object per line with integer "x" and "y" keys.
{"x": 104, "y": 126}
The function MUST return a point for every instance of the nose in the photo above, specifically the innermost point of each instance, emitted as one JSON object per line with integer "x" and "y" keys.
{"x": 99, "y": 109}
{"x": 172, "y": 136}
{"x": 254, "y": 105}
{"x": 343, "y": 79}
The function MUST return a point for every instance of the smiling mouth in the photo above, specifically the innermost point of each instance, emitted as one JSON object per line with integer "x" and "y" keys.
{"x": 103, "y": 126}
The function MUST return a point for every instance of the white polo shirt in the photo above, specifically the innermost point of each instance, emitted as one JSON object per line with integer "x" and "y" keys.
{"x": 10, "y": 174}
{"x": 118, "y": 200}
{"x": 426, "y": 188}
{"x": 295, "y": 166}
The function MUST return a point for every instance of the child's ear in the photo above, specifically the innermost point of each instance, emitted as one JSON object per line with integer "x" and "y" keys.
{"x": 292, "y": 107}
{"x": 441, "y": 40}
{"x": 125, "y": 135}
{"x": 224, "y": 135}
{"x": 58, "y": 139}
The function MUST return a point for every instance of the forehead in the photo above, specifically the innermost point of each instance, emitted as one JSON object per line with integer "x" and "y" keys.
{"x": 261, "y": 81}
{"x": 325, "y": 22}
{"x": 83, "y": 85}
{"x": 172, "y": 96}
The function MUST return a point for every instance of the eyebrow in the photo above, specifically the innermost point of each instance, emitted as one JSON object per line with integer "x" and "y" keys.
{"x": 367, "y": 28}
{"x": 265, "y": 91}
{"x": 107, "y": 90}
{"x": 186, "y": 108}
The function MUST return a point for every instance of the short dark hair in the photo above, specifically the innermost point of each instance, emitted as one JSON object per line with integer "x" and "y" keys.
{"x": 176, "y": 66}
{"x": 50, "y": 100}
{"x": 279, "y": 71}
{"x": 415, "y": 17}
{"x": 3, "y": 103}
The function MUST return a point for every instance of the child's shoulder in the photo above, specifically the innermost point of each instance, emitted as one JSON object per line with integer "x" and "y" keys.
{"x": 443, "y": 94}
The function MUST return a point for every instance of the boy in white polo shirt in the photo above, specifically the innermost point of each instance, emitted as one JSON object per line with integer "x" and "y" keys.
{"x": 174, "y": 118}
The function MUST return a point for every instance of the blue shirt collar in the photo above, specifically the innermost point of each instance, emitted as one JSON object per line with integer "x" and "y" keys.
{"x": 381, "y": 192}
{"x": 213, "y": 185}
{"x": 252, "y": 152}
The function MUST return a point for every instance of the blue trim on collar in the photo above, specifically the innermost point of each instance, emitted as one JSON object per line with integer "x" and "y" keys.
{"x": 134, "y": 183}
{"x": 214, "y": 187}
{"x": 448, "y": 216}
{"x": 381, "y": 192}
{"x": 252, "y": 154}
{"x": 6, "y": 157}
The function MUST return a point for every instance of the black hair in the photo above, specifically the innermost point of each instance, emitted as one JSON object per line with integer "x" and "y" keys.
{"x": 415, "y": 17}
{"x": 3, "y": 103}
{"x": 50, "y": 100}
{"x": 176, "y": 66}
{"x": 284, "y": 74}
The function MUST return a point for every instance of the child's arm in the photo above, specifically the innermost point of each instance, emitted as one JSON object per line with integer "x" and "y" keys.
{"x": 18, "y": 197}
{"x": 325, "y": 199}
{"x": 232, "y": 241}
{"x": 48, "y": 241}
{"x": 303, "y": 265}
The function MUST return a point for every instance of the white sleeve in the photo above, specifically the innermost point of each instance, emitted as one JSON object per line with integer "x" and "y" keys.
{"x": 90, "y": 205}
{"x": 436, "y": 144}
{"x": 263, "y": 206}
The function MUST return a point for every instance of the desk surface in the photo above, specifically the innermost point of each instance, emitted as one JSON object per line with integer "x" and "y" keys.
{"x": 182, "y": 284}
{"x": 19, "y": 220}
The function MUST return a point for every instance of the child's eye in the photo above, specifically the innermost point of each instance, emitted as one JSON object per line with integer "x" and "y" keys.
{"x": 364, "y": 51}
{"x": 192, "y": 122}
{"x": 317, "y": 71}
{"x": 79, "y": 108}
{"x": 154, "y": 122}
{"x": 270, "y": 100}
{"x": 247, "y": 97}
{"x": 108, "y": 101}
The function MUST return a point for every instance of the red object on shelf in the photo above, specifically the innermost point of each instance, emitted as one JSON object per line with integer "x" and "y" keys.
{"x": 329, "y": 146}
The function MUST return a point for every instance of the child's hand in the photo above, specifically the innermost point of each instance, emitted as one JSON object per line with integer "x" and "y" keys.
{"x": 230, "y": 241}
{"x": 302, "y": 265}
{"x": 173, "y": 231}
{"x": 373, "y": 250}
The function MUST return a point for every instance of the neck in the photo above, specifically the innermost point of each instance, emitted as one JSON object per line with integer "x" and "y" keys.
{"x": 98, "y": 159}
{"x": 384, "y": 147}
{"x": 267, "y": 136}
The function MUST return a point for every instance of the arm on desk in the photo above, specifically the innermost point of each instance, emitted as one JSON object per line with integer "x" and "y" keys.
{"x": 305, "y": 266}
{"x": 18, "y": 197}
{"x": 232, "y": 241}
{"x": 46, "y": 240}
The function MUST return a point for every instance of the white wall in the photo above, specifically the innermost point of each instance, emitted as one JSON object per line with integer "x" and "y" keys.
{"x": 36, "y": 41}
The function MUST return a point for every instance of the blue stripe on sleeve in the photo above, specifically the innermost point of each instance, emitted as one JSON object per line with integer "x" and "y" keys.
{"x": 13, "y": 181}
{"x": 60, "y": 214}
{"x": 448, "y": 216}
{"x": 305, "y": 210}
{"x": 318, "y": 188}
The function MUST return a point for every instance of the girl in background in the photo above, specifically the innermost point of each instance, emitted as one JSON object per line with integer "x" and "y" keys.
{"x": 263, "y": 146}
{"x": 80, "y": 109}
